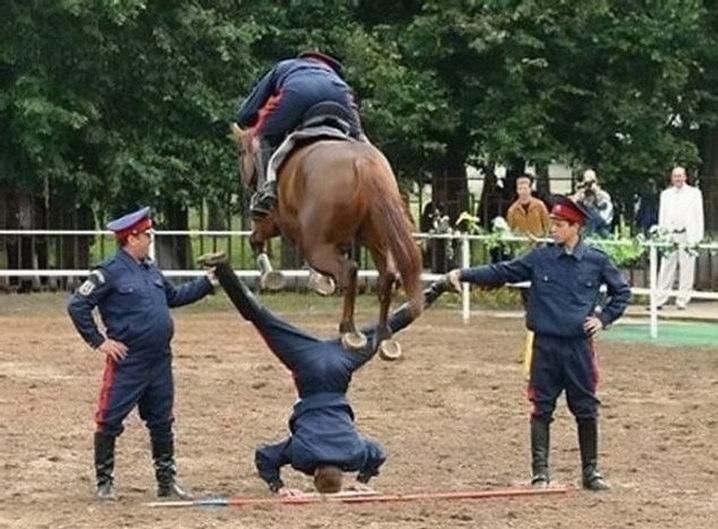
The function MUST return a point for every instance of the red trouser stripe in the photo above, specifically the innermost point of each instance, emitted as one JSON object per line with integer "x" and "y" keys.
{"x": 108, "y": 380}
{"x": 269, "y": 107}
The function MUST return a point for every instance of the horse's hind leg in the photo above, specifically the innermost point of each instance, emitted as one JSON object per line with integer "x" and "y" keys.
{"x": 329, "y": 260}
{"x": 389, "y": 349}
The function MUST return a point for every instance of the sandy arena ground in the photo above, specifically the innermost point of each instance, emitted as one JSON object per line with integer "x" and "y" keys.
{"x": 452, "y": 416}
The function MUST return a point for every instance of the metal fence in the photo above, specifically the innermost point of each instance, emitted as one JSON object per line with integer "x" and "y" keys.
{"x": 455, "y": 249}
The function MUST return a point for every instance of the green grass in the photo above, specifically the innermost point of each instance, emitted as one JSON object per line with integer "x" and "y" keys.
{"x": 689, "y": 334}
{"x": 284, "y": 302}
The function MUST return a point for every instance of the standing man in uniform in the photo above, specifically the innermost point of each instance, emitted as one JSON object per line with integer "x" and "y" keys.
{"x": 133, "y": 298}
{"x": 680, "y": 216}
{"x": 565, "y": 279}
{"x": 324, "y": 442}
{"x": 276, "y": 105}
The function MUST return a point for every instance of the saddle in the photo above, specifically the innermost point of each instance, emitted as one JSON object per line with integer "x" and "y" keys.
{"x": 326, "y": 120}
{"x": 329, "y": 114}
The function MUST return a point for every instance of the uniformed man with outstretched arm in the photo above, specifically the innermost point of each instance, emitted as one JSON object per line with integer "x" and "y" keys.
{"x": 133, "y": 298}
{"x": 565, "y": 281}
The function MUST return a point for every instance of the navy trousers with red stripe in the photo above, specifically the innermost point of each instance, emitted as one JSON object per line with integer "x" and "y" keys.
{"x": 282, "y": 113}
{"x": 563, "y": 364}
{"x": 145, "y": 383}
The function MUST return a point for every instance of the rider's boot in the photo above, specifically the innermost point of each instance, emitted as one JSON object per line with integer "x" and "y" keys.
{"x": 265, "y": 199}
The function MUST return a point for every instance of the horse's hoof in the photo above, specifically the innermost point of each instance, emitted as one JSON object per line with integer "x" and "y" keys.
{"x": 390, "y": 350}
{"x": 273, "y": 280}
{"x": 211, "y": 259}
{"x": 354, "y": 340}
{"x": 321, "y": 284}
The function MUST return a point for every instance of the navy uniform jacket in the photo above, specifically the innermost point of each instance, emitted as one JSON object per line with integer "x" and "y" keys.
{"x": 134, "y": 300}
{"x": 564, "y": 287}
{"x": 322, "y": 423}
{"x": 311, "y": 80}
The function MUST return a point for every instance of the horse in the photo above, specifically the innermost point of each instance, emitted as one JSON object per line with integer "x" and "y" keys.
{"x": 331, "y": 194}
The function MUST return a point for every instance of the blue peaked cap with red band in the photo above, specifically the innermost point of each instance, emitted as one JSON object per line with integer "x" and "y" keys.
{"x": 132, "y": 223}
{"x": 564, "y": 208}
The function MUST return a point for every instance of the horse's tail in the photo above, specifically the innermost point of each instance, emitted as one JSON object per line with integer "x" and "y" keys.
{"x": 391, "y": 223}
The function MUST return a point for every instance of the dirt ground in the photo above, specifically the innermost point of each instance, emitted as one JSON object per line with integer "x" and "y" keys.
{"x": 452, "y": 415}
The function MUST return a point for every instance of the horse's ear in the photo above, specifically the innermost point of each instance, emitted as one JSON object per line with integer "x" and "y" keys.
{"x": 237, "y": 133}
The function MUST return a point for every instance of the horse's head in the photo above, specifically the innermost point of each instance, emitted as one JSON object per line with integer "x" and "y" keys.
{"x": 246, "y": 145}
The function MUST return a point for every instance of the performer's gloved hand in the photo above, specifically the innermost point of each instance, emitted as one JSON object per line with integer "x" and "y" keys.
{"x": 212, "y": 276}
{"x": 360, "y": 486}
{"x": 209, "y": 263}
{"x": 287, "y": 492}
{"x": 454, "y": 279}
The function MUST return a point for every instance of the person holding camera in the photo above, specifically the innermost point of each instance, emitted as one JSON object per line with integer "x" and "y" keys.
{"x": 598, "y": 204}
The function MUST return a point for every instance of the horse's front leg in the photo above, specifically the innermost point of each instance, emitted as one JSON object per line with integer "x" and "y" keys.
{"x": 262, "y": 231}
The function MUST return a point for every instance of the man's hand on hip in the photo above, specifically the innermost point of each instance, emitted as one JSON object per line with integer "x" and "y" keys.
{"x": 114, "y": 349}
{"x": 592, "y": 325}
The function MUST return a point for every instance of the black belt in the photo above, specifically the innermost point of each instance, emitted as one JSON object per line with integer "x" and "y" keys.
{"x": 680, "y": 231}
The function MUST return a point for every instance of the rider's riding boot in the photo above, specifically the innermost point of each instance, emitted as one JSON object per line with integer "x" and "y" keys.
{"x": 588, "y": 443}
{"x": 265, "y": 199}
{"x": 104, "y": 466}
{"x": 167, "y": 485}
{"x": 539, "y": 454}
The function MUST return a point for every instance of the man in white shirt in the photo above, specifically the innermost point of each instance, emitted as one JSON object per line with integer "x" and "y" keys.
{"x": 680, "y": 216}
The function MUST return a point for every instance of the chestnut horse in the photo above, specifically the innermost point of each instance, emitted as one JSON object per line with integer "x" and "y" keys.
{"x": 331, "y": 194}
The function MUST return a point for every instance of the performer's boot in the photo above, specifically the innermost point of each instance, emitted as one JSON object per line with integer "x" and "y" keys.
{"x": 165, "y": 471}
{"x": 104, "y": 466}
{"x": 265, "y": 199}
{"x": 588, "y": 443}
{"x": 539, "y": 454}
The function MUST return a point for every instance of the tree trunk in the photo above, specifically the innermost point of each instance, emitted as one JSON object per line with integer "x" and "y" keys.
{"x": 216, "y": 220}
{"x": 174, "y": 252}
{"x": 709, "y": 178}
{"x": 290, "y": 258}
{"x": 450, "y": 196}
{"x": 450, "y": 188}
{"x": 4, "y": 240}
{"x": 21, "y": 249}
{"x": 485, "y": 212}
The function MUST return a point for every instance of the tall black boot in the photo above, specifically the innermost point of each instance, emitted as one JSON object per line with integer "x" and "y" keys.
{"x": 539, "y": 454}
{"x": 165, "y": 470}
{"x": 588, "y": 443}
{"x": 265, "y": 199}
{"x": 104, "y": 466}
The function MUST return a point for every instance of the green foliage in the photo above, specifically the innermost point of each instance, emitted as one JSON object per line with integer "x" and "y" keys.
{"x": 117, "y": 102}
{"x": 621, "y": 246}
{"x": 116, "y": 99}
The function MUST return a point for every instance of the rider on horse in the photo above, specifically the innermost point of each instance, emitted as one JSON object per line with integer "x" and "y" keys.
{"x": 276, "y": 106}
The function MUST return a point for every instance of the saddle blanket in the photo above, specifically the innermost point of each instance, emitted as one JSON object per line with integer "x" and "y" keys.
{"x": 301, "y": 136}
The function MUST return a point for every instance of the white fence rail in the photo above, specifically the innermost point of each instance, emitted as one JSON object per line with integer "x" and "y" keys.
{"x": 465, "y": 239}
